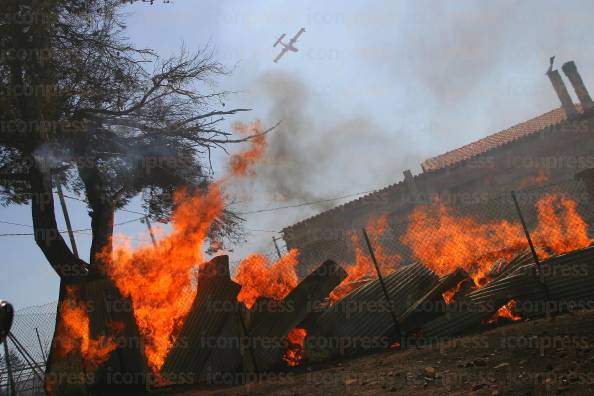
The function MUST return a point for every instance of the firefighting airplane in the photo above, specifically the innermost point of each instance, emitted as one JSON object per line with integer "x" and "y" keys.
{"x": 289, "y": 46}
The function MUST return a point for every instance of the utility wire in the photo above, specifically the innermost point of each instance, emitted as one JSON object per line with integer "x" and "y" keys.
{"x": 122, "y": 210}
{"x": 81, "y": 231}
{"x": 304, "y": 203}
{"x": 298, "y": 205}
{"x": 267, "y": 210}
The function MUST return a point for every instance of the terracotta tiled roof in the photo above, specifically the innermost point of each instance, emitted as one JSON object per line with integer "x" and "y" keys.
{"x": 492, "y": 141}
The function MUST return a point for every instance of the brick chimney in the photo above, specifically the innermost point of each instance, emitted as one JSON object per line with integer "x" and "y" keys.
{"x": 571, "y": 71}
{"x": 562, "y": 93}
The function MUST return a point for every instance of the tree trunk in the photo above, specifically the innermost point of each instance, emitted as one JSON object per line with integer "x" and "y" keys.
{"x": 47, "y": 237}
{"x": 102, "y": 206}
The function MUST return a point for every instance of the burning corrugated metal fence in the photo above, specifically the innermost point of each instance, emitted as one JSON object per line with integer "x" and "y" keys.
{"x": 364, "y": 320}
{"x": 450, "y": 274}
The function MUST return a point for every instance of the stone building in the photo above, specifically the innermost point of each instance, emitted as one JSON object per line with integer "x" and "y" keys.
{"x": 553, "y": 148}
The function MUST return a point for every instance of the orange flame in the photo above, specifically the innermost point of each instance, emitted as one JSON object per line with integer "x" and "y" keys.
{"x": 448, "y": 296}
{"x": 158, "y": 279}
{"x": 295, "y": 353}
{"x": 363, "y": 265}
{"x": 241, "y": 164}
{"x": 561, "y": 228}
{"x": 395, "y": 345}
{"x": 505, "y": 312}
{"x": 537, "y": 180}
{"x": 258, "y": 278}
{"x": 443, "y": 241}
{"x": 74, "y": 333}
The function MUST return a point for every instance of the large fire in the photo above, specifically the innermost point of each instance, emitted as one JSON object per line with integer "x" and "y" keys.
{"x": 295, "y": 353}
{"x": 259, "y": 278}
{"x": 159, "y": 282}
{"x": 443, "y": 241}
{"x": 158, "y": 279}
{"x": 363, "y": 266}
{"x": 73, "y": 333}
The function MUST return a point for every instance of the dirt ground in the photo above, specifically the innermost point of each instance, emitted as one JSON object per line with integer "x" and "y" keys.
{"x": 540, "y": 357}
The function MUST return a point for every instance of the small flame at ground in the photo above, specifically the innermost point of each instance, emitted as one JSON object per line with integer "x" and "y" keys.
{"x": 505, "y": 312}
{"x": 295, "y": 353}
{"x": 73, "y": 333}
{"x": 259, "y": 278}
{"x": 448, "y": 296}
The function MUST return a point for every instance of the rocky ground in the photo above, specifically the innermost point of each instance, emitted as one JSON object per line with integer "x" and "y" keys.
{"x": 539, "y": 357}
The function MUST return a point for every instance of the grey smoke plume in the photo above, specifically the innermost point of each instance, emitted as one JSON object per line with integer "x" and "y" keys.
{"x": 307, "y": 160}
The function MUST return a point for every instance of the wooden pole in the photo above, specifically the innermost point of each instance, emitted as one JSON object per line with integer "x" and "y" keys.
{"x": 381, "y": 279}
{"x": 277, "y": 249}
{"x": 67, "y": 218}
{"x": 150, "y": 230}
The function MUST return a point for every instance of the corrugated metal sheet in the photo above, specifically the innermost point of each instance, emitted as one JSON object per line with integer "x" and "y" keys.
{"x": 275, "y": 326}
{"x": 203, "y": 326}
{"x": 364, "y": 313}
{"x": 467, "y": 313}
{"x": 568, "y": 278}
{"x": 429, "y": 306}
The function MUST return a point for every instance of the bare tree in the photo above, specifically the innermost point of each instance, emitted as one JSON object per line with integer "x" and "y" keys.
{"x": 83, "y": 107}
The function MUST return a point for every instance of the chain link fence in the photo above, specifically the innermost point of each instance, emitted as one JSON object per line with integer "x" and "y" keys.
{"x": 474, "y": 233}
{"x": 28, "y": 348}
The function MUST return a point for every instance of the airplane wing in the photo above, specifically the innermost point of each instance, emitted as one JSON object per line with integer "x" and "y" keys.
{"x": 283, "y": 51}
{"x": 296, "y": 37}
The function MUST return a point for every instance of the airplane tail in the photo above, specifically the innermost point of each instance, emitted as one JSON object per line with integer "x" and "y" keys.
{"x": 279, "y": 40}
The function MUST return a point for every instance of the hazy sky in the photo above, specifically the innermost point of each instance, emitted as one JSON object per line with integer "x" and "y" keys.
{"x": 377, "y": 87}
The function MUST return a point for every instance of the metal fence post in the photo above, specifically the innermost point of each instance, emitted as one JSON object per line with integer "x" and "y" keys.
{"x": 10, "y": 381}
{"x": 526, "y": 232}
{"x": 26, "y": 356}
{"x": 532, "y": 249}
{"x": 41, "y": 346}
{"x": 381, "y": 279}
